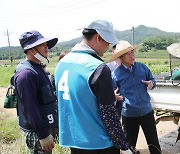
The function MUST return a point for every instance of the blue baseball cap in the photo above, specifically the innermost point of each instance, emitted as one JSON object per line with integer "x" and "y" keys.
{"x": 33, "y": 38}
{"x": 105, "y": 30}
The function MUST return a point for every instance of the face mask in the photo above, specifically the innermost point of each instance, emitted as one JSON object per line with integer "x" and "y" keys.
{"x": 41, "y": 58}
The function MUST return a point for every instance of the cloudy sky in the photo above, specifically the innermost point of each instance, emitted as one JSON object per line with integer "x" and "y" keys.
{"x": 64, "y": 18}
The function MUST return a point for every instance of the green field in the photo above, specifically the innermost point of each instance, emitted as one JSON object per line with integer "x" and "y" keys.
{"x": 157, "y": 61}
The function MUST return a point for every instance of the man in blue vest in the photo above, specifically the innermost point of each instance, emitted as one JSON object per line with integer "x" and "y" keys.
{"x": 37, "y": 104}
{"x": 88, "y": 120}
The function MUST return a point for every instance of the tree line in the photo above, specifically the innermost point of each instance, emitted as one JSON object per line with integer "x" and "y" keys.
{"x": 157, "y": 43}
{"x": 18, "y": 53}
{"x": 152, "y": 43}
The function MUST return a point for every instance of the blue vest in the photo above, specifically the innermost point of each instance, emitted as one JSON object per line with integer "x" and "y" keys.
{"x": 47, "y": 99}
{"x": 80, "y": 124}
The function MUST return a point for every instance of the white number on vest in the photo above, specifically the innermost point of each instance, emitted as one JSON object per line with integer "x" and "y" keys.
{"x": 51, "y": 119}
{"x": 63, "y": 85}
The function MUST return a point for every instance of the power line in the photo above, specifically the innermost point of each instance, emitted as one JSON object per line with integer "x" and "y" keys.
{"x": 35, "y": 11}
{"x": 51, "y": 12}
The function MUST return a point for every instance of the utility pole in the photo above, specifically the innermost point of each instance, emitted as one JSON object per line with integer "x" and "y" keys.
{"x": 7, "y": 34}
{"x": 132, "y": 35}
{"x": 2, "y": 59}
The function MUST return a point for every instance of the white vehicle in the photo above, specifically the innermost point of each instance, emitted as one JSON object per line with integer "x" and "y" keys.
{"x": 165, "y": 98}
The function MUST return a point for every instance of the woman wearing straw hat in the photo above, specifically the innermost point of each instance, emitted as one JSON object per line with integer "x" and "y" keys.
{"x": 133, "y": 80}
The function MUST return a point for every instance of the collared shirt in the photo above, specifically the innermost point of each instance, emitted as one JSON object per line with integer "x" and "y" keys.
{"x": 128, "y": 68}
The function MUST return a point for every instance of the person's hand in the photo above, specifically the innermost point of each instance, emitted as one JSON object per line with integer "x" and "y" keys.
{"x": 117, "y": 95}
{"x": 149, "y": 84}
{"x": 47, "y": 143}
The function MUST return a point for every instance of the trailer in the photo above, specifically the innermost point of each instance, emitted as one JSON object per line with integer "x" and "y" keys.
{"x": 165, "y": 98}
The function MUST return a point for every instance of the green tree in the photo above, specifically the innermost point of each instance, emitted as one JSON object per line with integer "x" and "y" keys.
{"x": 159, "y": 43}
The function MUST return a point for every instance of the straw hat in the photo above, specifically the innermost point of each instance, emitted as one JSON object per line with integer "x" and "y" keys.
{"x": 174, "y": 49}
{"x": 121, "y": 48}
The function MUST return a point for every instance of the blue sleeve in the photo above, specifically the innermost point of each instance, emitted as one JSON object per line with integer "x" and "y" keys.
{"x": 149, "y": 75}
{"x": 114, "y": 83}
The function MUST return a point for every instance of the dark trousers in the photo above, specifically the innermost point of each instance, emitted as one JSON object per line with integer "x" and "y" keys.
{"x": 147, "y": 123}
{"x": 111, "y": 150}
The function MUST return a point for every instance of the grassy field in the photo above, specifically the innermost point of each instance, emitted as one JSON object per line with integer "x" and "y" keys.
{"x": 5, "y": 75}
{"x": 157, "y": 61}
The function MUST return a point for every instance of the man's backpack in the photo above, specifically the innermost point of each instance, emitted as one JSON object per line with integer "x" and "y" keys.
{"x": 11, "y": 97}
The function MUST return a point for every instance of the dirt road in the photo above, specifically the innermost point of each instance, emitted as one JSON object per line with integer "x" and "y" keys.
{"x": 167, "y": 132}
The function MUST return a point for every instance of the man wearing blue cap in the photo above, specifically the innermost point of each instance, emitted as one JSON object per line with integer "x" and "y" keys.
{"x": 37, "y": 105}
{"x": 88, "y": 120}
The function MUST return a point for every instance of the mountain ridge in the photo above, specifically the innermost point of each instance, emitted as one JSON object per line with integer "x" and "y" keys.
{"x": 140, "y": 33}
